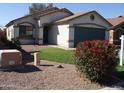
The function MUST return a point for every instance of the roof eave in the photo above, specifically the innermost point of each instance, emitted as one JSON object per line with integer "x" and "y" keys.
{"x": 85, "y": 14}
{"x": 61, "y": 10}
{"x": 116, "y": 26}
{"x": 11, "y": 22}
{"x": 104, "y": 18}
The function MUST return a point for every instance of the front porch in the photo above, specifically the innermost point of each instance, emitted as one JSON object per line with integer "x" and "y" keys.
{"x": 26, "y": 35}
{"x": 25, "y": 32}
{"x": 29, "y": 34}
{"x": 115, "y": 34}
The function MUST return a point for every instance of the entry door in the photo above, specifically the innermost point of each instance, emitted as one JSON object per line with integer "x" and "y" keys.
{"x": 45, "y": 35}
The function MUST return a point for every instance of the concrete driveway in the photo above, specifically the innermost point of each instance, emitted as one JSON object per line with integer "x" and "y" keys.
{"x": 31, "y": 48}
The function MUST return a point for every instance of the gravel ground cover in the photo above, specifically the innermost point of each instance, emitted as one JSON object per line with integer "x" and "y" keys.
{"x": 46, "y": 76}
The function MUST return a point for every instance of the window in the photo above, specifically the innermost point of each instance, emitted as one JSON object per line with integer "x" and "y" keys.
{"x": 22, "y": 30}
{"x": 29, "y": 30}
{"x": 25, "y": 31}
{"x": 92, "y": 17}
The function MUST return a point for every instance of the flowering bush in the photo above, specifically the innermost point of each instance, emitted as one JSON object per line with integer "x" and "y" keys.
{"x": 96, "y": 59}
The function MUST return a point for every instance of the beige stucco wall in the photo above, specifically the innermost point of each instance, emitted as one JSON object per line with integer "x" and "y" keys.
{"x": 37, "y": 32}
{"x": 16, "y": 32}
{"x": 10, "y": 32}
{"x": 59, "y": 34}
{"x": 40, "y": 36}
{"x": 66, "y": 31}
{"x": 52, "y": 17}
{"x": 48, "y": 19}
{"x": 111, "y": 36}
{"x": 63, "y": 35}
{"x": 13, "y": 31}
{"x": 86, "y": 19}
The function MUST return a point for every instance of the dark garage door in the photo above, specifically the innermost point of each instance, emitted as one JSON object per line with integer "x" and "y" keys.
{"x": 84, "y": 33}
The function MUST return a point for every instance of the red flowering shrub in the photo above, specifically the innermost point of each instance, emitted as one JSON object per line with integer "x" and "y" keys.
{"x": 96, "y": 59}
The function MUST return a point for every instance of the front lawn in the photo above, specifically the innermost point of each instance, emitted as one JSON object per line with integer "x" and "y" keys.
{"x": 57, "y": 54}
{"x": 119, "y": 72}
{"x": 66, "y": 56}
{"x": 120, "y": 68}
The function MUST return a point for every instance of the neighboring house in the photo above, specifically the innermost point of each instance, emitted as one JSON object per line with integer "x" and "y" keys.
{"x": 59, "y": 26}
{"x": 116, "y": 30}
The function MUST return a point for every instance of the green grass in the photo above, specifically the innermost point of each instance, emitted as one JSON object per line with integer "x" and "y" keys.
{"x": 120, "y": 68}
{"x": 66, "y": 56}
{"x": 119, "y": 72}
{"x": 57, "y": 55}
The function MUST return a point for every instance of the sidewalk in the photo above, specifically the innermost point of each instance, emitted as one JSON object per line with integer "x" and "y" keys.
{"x": 31, "y": 48}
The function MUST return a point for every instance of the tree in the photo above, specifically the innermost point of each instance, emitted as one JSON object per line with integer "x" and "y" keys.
{"x": 39, "y": 6}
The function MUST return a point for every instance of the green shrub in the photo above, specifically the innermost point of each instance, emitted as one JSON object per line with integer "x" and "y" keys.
{"x": 96, "y": 59}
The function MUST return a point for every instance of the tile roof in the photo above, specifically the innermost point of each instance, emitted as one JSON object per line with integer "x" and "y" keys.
{"x": 63, "y": 9}
{"x": 34, "y": 14}
{"x": 73, "y": 16}
{"x": 116, "y": 21}
{"x": 80, "y": 14}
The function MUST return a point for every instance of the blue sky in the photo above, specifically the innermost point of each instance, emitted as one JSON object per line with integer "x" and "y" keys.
{"x": 12, "y": 11}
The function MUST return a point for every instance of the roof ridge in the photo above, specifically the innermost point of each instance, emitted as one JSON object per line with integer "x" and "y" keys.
{"x": 63, "y": 9}
{"x": 115, "y": 21}
{"x": 55, "y": 8}
{"x": 116, "y": 17}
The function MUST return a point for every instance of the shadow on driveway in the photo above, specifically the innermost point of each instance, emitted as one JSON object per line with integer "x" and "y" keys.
{"x": 22, "y": 69}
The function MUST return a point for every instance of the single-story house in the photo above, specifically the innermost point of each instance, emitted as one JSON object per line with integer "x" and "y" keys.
{"x": 60, "y": 27}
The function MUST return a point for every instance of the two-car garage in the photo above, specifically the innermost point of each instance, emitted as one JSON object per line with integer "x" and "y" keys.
{"x": 85, "y": 33}
{"x": 81, "y": 27}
